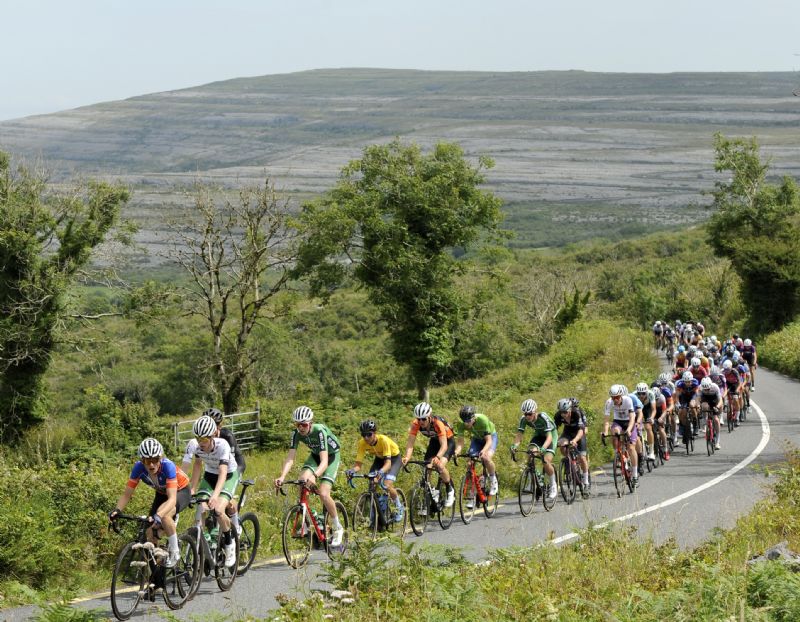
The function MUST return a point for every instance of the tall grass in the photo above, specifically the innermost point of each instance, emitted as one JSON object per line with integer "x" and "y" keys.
{"x": 781, "y": 350}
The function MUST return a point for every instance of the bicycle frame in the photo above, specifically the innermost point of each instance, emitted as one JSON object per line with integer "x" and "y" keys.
{"x": 622, "y": 461}
{"x": 308, "y": 514}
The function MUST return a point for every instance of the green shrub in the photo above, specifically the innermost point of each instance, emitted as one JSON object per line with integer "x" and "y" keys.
{"x": 781, "y": 350}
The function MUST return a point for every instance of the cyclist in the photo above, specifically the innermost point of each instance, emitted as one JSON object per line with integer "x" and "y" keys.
{"x": 658, "y": 335}
{"x": 441, "y": 444}
{"x": 711, "y": 395}
{"x": 734, "y": 382}
{"x": 228, "y": 435}
{"x": 653, "y": 403}
{"x": 483, "y": 443}
{"x": 680, "y": 358}
{"x": 749, "y": 355}
{"x": 624, "y": 422}
{"x": 570, "y": 415}
{"x": 172, "y": 493}
{"x": 322, "y": 463}
{"x": 219, "y": 479}
{"x": 545, "y": 436}
{"x": 387, "y": 461}
{"x": 686, "y": 390}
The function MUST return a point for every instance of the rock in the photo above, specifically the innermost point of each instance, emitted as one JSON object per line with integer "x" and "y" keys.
{"x": 780, "y": 552}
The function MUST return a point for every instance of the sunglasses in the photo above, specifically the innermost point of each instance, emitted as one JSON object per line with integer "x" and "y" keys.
{"x": 367, "y": 435}
{"x": 530, "y": 414}
{"x": 304, "y": 424}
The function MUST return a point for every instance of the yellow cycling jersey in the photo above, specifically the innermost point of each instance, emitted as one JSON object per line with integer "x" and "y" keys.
{"x": 383, "y": 448}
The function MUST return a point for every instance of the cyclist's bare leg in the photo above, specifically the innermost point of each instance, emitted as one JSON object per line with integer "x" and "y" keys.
{"x": 488, "y": 462}
{"x": 548, "y": 464}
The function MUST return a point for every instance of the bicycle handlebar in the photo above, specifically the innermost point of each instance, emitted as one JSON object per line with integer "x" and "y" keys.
{"x": 297, "y": 482}
{"x": 130, "y": 517}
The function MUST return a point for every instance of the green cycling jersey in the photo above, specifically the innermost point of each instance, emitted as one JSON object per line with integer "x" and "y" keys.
{"x": 479, "y": 429}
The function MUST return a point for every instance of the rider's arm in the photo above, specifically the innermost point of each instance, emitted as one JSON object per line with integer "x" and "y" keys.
{"x": 487, "y": 443}
{"x": 222, "y": 475}
{"x": 287, "y": 464}
{"x": 197, "y": 471}
{"x": 323, "y": 463}
{"x": 548, "y": 441}
{"x": 387, "y": 464}
{"x": 412, "y": 438}
{"x": 168, "y": 507}
{"x": 125, "y": 497}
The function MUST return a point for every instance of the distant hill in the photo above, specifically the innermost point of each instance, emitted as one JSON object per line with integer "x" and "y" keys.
{"x": 576, "y": 152}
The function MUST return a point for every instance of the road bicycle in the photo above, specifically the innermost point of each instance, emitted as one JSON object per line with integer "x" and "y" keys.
{"x": 712, "y": 431}
{"x": 688, "y": 429}
{"x": 745, "y": 409}
{"x": 650, "y": 464}
{"x": 250, "y": 534}
{"x": 375, "y": 511}
{"x": 623, "y": 475}
{"x": 732, "y": 411}
{"x": 670, "y": 352}
{"x": 474, "y": 491}
{"x": 139, "y": 572}
{"x": 569, "y": 478}
{"x": 534, "y": 482}
{"x": 427, "y": 499}
{"x": 302, "y": 524}
{"x": 209, "y": 547}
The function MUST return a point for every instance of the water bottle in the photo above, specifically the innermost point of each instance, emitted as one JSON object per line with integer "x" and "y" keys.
{"x": 383, "y": 508}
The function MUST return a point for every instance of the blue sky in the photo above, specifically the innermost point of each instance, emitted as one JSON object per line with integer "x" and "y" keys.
{"x": 61, "y": 54}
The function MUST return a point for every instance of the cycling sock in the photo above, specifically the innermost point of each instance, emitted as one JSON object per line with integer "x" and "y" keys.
{"x": 585, "y": 476}
{"x": 336, "y": 523}
{"x": 235, "y": 520}
{"x": 397, "y": 503}
{"x": 173, "y": 542}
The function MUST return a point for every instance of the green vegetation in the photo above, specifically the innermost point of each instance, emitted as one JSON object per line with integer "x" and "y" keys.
{"x": 397, "y": 214}
{"x": 781, "y": 350}
{"x": 756, "y": 226}
{"x": 45, "y": 241}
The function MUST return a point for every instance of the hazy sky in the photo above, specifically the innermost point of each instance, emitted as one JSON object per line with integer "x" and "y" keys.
{"x": 60, "y": 54}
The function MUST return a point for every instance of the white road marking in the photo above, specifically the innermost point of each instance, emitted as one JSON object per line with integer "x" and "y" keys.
{"x": 765, "y": 434}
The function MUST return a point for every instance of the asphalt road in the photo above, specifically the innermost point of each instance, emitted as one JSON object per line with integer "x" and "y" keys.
{"x": 686, "y": 498}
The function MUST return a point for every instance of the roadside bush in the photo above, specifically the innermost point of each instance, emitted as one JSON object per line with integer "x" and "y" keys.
{"x": 781, "y": 350}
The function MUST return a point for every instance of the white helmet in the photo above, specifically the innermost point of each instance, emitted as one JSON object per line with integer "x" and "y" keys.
{"x": 715, "y": 371}
{"x": 422, "y": 410}
{"x": 528, "y": 406}
{"x": 302, "y": 414}
{"x": 642, "y": 387}
{"x": 728, "y": 364}
{"x": 706, "y": 383}
{"x": 664, "y": 378}
{"x": 687, "y": 376}
{"x": 150, "y": 448}
{"x": 616, "y": 390}
{"x": 204, "y": 427}
{"x": 695, "y": 362}
{"x": 748, "y": 342}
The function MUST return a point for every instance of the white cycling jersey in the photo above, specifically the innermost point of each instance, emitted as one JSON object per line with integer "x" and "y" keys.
{"x": 622, "y": 411}
{"x": 220, "y": 454}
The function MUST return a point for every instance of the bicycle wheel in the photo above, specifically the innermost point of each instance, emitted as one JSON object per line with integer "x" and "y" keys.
{"x": 550, "y": 481}
{"x": 199, "y": 552}
{"x": 467, "y": 498}
{"x": 296, "y": 536}
{"x": 619, "y": 477}
{"x": 446, "y": 514}
{"x": 128, "y": 581}
{"x": 396, "y": 527}
{"x": 709, "y": 438}
{"x": 249, "y": 539}
{"x": 490, "y": 507}
{"x": 647, "y": 462}
{"x": 365, "y": 516}
{"x": 627, "y": 473}
{"x": 568, "y": 482}
{"x": 419, "y": 507}
{"x": 337, "y": 552}
{"x": 226, "y": 575}
{"x": 178, "y": 580}
{"x": 746, "y": 408}
{"x": 526, "y": 491}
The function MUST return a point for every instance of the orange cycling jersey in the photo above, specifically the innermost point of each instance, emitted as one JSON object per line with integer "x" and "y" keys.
{"x": 435, "y": 430}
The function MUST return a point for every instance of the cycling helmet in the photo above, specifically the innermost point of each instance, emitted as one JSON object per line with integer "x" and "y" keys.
{"x": 687, "y": 376}
{"x": 625, "y": 390}
{"x": 748, "y": 342}
{"x": 367, "y": 427}
{"x": 695, "y": 362}
{"x": 715, "y": 371}
{"x": 735, "y": 357}
{"x": 642, "y": 387}
{"x": 528, "y": 406}
{"x": 422, "y": 410}
{"x": 215, "y": 414}
{"x": 467, "y": 413}
{"x": 692, "y": 349}
{"x": 150, "y": 448}
{"x": 713, "y": 338}
{"x": 616, "y": 390}
{"x": 664, "y": 378}
{"x": 728, "y": 364}
{"x": 302, "y": 414}
{"x": 706, "y": 383}
{"x": 204, "y": 427}
{"x": 564, "y": 404}
{"x": 681, "y": 348}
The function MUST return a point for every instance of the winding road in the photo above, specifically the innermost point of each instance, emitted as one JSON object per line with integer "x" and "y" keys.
{"x": 686, "y": 498}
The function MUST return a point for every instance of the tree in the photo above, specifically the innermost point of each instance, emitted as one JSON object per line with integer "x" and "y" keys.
{"x": 756, "y": 226}
{"x": 46, "y": 239}
{"x": 393, "y": 221}
{"x": 238, "y": 255}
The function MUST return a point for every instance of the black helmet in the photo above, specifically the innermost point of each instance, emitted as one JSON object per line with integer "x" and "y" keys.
{"x": 215, "y": 414}
{"x": 467, "y": 413}
{"x": 368, "y": 426}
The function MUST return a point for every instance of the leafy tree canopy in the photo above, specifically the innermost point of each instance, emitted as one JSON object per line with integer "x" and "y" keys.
{"x": 392, "y": 221}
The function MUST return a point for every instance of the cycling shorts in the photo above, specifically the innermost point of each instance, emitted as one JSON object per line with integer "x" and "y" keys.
{"x": 620, "y": 427}
{"x": 433, "y": 448}
{"x": 182, "y": 500}
{"x": 581, "y": 447}
{"x": 391, "y": 475}
{"x": 312, "y": 462}
{"x": 209, "y": 482}
{"x": 539, "y": 441}
{"x": 476, "y": 446}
